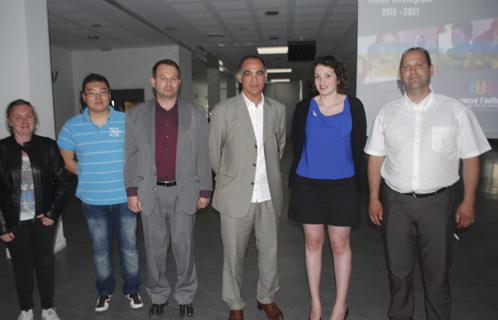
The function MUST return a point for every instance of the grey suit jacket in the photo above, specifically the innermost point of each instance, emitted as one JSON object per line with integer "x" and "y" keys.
{"x": 192, "y": 167}
{"x": 232, "y": 154}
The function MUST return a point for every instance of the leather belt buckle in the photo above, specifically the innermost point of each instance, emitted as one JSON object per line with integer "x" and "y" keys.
{"x": 164, "y": 183}
{"x": 425, "y": 195}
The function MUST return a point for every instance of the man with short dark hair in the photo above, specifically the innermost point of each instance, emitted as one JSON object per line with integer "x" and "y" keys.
{"x": 415, "y": 149}
{"x": 168, "y": 179}
{"x": 92, "y": 146}
{"x": 246, "y": 143}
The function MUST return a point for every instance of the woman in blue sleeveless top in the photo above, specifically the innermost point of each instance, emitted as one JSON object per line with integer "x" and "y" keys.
{"x": 328, "y": 136}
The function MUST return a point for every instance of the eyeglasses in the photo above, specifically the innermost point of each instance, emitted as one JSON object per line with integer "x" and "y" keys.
{"x": 94, "y": 94}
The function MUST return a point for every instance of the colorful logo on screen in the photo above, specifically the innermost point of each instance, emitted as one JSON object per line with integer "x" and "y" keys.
{"x": 481, "y": 87}
{"x": 478, "y": 87}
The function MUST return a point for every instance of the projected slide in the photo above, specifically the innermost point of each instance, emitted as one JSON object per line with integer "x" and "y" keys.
{"x": 462, "y": 37}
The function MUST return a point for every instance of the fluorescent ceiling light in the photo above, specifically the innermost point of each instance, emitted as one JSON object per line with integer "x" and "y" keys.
{"x": 279, "y": 70}
{"x": 273, "y": 50}
{"x": 280, "y": 80}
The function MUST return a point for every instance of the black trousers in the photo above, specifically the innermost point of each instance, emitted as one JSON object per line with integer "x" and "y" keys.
{"x": 32, "y": 250}
{"x": 423, "y": 228}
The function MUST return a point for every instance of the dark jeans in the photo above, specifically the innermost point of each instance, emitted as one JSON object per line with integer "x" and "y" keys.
{"x": 33, "y": 250}
{"x": 102, "y": 220}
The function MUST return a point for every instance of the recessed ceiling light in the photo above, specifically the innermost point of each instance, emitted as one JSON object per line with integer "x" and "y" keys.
{"x": 279, "y": 70}
{"x": 273, "y": 50}
{"x": 280, "y": 80}
{"x": 271, "y": 13}
{"x": 93, "y": 37}
{"x": 215, "y": 35}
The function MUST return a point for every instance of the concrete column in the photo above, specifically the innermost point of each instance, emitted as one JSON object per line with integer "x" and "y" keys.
{"x": 231, "y": 89}
{"x": 213, "y": 82}
{"x": 25, "y": 60}
{"x": 185, "y": 62}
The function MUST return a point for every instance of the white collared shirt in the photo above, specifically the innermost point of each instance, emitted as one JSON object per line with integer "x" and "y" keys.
{"x": 423, "y": 143}
{"x": 261, "y": 190}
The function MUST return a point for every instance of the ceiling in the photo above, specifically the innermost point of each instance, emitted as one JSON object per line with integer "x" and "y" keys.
{"x": 211, "y": 29}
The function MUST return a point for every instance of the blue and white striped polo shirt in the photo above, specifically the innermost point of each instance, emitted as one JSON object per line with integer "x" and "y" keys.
{"x": 100, "y": 154}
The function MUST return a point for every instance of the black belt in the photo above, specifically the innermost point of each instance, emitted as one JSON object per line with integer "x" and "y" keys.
{"x": 164, "y": 183}
{"x": 425, "y": 195}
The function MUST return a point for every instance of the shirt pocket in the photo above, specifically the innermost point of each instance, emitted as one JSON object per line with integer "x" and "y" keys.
{"x": 442, "y": 139}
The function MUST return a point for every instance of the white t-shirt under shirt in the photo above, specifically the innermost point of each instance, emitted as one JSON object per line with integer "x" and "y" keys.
{"x": 423, "y": 143}
{"x": 27, "y": 191}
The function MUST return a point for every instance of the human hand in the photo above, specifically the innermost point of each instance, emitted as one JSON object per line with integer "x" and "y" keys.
{"x": 44, "y": 220}
{"x": 202, "y": 203}
{"x": 376, "y": 212}
{"x": 134, "y": 204}
{"x": 465, "y": 215}
{"x": 8, "y": 237}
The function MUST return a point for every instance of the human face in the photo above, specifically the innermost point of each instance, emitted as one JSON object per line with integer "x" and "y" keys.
{"x": 22, "y": 120}
{"x": 252, "y": 76}
{"x": 415, "y": 72}
{"x": 325, "y": 80}
{"x": 166, "y": 82}
{"x": 97, "y": 96}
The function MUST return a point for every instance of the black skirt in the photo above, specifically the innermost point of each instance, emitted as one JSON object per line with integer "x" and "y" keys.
{"x": 330, "y": 202}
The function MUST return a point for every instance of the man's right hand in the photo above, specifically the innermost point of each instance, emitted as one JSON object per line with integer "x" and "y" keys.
{"x": 8, "y": 237}
{"x": 376, "y": 212}
{"x": 134, "y": 204}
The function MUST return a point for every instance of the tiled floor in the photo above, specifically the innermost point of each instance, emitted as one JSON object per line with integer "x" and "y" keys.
{"x": 474, "y": 276}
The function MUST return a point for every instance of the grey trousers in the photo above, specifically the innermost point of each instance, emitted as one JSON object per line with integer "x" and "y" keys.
{"x": 235, "y": 234}
{"x": 168, "y": 225}
{"x": 420, "y": 227}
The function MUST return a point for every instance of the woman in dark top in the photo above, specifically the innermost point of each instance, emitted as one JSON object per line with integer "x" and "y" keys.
{"x": 32, "y": 191}
{"x": 328, "y": 136}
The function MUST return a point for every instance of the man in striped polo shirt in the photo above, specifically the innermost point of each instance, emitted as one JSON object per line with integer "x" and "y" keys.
{"x": 96, "y": 137}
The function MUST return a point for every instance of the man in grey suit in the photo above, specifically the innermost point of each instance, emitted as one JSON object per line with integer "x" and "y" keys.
{"x": 168, "y": 178}
{"x": 246, "y": 143}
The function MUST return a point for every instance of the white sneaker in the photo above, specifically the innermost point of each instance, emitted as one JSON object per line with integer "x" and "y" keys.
{"x": 26, "y": 315}
{"x": 103, "y": 303}
{"x": 50, "y": 314}
{"x": 135, "y": 300}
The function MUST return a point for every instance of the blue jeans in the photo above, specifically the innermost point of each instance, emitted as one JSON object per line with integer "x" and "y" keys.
{"x": 101, "y": 220}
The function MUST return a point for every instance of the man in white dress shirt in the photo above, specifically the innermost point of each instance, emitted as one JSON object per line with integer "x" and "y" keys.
{"x": 415, "y": 149}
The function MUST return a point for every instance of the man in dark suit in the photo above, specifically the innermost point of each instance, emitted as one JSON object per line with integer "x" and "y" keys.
{"x": 168, "y": 178}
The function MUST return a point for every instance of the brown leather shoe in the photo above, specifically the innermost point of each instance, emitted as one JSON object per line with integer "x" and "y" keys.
{"x": 236, "y": 315}
{"x": 272, "y": 311}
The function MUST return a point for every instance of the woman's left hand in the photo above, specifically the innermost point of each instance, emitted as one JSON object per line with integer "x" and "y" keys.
{"x": 44, "y": 220}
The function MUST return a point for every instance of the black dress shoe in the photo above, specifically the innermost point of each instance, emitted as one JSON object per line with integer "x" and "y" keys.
{"x": 157, "y": 309}
{"x": 186, "y": 310}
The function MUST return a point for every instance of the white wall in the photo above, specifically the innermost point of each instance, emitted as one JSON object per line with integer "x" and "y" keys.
{"x": 200, "y": 93}
{"x": 25, "y": 60}
{"x": 124, "y": 68}
{"x": 65, "y": 92}
{"x": 286, "y": 93}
